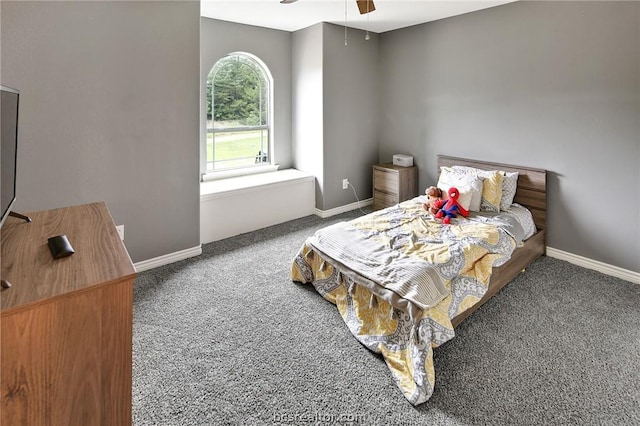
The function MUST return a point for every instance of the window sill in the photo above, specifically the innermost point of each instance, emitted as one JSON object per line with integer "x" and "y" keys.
{"x": 257, "y": 181}
{"x": 239, "y": 172}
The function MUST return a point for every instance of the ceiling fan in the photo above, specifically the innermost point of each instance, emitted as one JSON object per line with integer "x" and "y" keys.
{"x": 364, "y": 6}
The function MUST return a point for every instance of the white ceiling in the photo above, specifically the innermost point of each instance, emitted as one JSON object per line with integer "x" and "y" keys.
{"x": 389, "y": 14}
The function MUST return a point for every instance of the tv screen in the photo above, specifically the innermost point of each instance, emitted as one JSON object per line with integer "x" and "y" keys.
{"x": 8, "y": 149}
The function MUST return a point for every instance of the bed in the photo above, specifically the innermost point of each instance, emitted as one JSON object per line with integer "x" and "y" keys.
{"x": 402, "y": 281}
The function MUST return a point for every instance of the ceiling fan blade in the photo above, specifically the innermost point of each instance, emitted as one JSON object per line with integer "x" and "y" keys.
{"x": 365, "y": 6}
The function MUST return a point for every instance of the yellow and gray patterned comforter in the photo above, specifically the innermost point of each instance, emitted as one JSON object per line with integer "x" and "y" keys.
{"x": 463, "y": 254}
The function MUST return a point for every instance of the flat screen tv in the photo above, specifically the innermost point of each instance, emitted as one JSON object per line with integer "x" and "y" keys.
{"x": 8, "y": 149}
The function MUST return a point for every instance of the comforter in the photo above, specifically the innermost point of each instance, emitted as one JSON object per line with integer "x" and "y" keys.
{"x": 389, "y": 319}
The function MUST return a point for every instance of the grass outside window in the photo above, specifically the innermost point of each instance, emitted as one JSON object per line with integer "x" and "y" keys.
{"x": 236, "y": 149}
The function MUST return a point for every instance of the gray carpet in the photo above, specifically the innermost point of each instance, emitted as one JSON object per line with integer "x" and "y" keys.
{"x": 227, "y": 338}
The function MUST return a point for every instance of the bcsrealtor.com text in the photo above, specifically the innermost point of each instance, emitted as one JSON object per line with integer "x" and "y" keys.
{"x": 318, "y": 417}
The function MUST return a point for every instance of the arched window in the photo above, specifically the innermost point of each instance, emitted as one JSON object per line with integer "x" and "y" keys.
{"x": 238, "y": 113}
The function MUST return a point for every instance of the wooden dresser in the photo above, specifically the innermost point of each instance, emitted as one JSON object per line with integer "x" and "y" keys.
{"x": 66, "y": 342}
{"x": 393, "y": 184}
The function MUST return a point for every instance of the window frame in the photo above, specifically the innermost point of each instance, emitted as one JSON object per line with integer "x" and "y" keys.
{"x": 259, "y": 167}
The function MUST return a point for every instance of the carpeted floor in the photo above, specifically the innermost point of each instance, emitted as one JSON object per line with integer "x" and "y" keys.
{"x": 227, "y": 338}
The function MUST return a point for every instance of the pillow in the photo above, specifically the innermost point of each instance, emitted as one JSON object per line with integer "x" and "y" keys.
{"x": 509, "y": 185}
{"x": 491, "y": 187}
{"x": 492, "y": 192}
{"x": 470, "y": 187}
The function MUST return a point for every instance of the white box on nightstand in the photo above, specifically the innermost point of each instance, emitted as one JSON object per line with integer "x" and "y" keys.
{"x": 402, "y": 160}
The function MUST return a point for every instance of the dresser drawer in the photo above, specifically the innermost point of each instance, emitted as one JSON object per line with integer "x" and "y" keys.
{"x": 382, "y": 200}
{"x": 385, "y": 181}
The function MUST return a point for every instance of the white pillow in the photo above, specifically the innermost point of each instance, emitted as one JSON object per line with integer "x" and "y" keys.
{"x": 470, "y": 188}
{"x": 509, "y": 185}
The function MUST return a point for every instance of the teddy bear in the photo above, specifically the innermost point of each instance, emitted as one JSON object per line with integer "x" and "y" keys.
{"x": 434, "y": 199}
{"x": 450, "y": 208}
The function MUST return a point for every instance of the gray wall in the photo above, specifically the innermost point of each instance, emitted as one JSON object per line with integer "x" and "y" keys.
{"x": 336, "y": 108}
{"x": 109, "y": 112}
{"x": 273, "y": 47}
{"x": 351, "y": 94}
{"x": 554, "y": 85}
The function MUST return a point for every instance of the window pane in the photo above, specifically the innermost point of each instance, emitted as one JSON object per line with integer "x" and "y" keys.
{"x": 239, "y": 93}
{"x": 237, "y": 149}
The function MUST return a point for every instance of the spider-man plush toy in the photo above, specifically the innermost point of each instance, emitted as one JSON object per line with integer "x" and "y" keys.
{"x": 450, "y": 208}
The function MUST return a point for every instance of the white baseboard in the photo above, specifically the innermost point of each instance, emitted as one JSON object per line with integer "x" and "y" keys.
{"x": 342, "y": 209}
{"x": 605, "y": 268}
{"x": 167, "y": 258}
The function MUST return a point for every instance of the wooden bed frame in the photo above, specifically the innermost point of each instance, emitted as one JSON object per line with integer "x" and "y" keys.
{"x": 531, "y": 192}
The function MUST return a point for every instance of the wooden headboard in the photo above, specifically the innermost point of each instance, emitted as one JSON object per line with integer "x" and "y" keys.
{"x": 532, "y": 184}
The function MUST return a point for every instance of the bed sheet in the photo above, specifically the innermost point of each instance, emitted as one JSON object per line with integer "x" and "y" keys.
{"x": 463, "y": 253}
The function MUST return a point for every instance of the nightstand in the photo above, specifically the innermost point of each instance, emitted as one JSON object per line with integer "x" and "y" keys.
{"x": 393, "y": 184}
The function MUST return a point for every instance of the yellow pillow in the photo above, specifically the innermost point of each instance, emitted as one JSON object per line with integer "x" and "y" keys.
{"x": 491, "y": 191}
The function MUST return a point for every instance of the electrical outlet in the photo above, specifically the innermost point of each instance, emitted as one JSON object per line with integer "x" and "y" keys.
{"x": 345, "y": 183}
{"x": 120, "y": 229}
